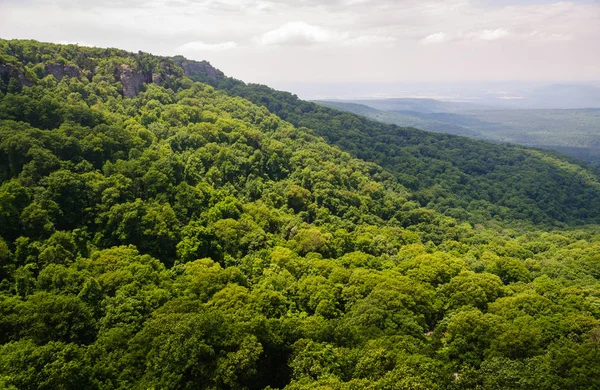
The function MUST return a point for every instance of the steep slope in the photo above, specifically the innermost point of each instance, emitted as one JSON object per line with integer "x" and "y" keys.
{"x": 156, "y": 233}
{"x": 449, "y": 173}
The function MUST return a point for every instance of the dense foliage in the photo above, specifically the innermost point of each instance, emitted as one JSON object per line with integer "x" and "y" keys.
{"x": 468, "y": 179}
{"x": 186, "y": 239}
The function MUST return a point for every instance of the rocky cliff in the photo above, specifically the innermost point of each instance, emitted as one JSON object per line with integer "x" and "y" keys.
{"x": 201, "y": 69}
{"x": 130, "y": 75}
{"x": 9, "y": 71}
{"x": 59, "y": 70}
{"x": 132, "y": 80}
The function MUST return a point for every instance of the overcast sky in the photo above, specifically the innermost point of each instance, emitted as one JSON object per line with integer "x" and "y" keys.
{"x": 284, "y": 41}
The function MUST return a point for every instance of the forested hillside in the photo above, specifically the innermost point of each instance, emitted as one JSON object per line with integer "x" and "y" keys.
{"x": 468, "y": 179}
{"x": 156, "y": 233}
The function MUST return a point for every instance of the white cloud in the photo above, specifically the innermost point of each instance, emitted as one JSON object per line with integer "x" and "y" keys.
{"x": 204, "y": 46}
{"x": 304, "y": 34}
{"x": 300, "y": 33}
{"x": 488, "y": 35}
{"x": 512, "y": 97}
{"x": 67, "y": 42}
{"x": 481, "y": 35}
{"x": 439, "y": 37}
{"x": 491, "y": 35}
{"x": 538, "y": 36}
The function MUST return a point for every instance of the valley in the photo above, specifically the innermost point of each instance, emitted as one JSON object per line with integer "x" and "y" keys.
{"x": 575, "y": 132}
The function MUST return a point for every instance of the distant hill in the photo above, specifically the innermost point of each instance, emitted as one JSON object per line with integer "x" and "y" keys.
{"x": 417, "y": 105}
{"x": 553, "y": 96}
{"x": 575, "y": 132}
{"x": 470, "y": 95}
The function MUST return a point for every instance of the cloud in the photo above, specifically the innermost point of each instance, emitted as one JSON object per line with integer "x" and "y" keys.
{"x": 300, "y": 33}
{"x": 481, "y": 35}
{"x": 67, "y": 42}
{"x": 491, "y": 35}
{"x": 548, "y": 37}
{"x": 204, "y": 46}
{"x": 439, "y": 37}
{"x": 304, "y": 34}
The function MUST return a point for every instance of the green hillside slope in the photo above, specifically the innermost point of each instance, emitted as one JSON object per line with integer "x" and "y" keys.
{"x": 449, "y": 173}
{"x": 156, "y": 233}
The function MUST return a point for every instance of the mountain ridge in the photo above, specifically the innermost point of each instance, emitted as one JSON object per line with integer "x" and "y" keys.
{"x": 466, "y": 179}
{"x": 354, "y": 134}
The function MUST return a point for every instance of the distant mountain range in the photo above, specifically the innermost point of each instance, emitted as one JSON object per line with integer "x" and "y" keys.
{"x": 575, "y": 132}
{"x": 554, "y": 96}
{"x": 516, "y": 95}
{"x": 417, "y": 105}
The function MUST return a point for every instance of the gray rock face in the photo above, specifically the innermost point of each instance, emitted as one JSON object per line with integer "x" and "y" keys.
{"x": 9, "y": 71}
{"x": 59, "y": 71}
{"x": 132, "y": 80}
{"x": 193, "y": 67}
{"x": 157, "y": 79}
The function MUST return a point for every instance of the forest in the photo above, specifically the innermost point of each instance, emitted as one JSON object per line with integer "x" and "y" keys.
{"x": 465, "y": 178}
{"x": 163, "y": 226}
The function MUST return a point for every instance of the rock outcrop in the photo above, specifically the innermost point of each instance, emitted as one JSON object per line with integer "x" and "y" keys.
{"x": 157, "y": 79}
{"x": 59, "y": 70}
{"x": 132, "y": 80}
{"x": 204, "y": 69}
{"x": 8, "y": 71}
{"x": 166, "y": 70}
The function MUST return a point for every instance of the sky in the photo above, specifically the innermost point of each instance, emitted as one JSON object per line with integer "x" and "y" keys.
{"x": 279, "y": 42}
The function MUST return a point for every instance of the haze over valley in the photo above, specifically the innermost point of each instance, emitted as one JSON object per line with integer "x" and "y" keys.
{"x": 565, "y": 118}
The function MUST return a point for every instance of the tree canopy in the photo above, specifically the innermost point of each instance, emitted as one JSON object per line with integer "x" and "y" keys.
{"x": 158, "y": 232}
